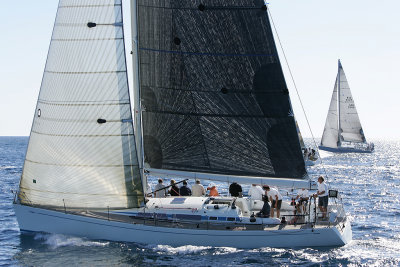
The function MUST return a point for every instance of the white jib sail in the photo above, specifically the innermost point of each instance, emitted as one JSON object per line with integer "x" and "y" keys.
{"x": 81, "y": 151}
{"x": 350, "y": 124}
{"x": 330, "y": 135}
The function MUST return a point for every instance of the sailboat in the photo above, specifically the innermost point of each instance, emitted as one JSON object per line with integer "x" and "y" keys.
{"x": 343, "y": 131}
{"x": 210, "y": 102}
{"x": 309, "y": 154}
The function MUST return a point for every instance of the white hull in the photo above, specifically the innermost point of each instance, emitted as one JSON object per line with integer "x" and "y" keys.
{"x": 347, "y": 149}
{"x": 42, "y": 220}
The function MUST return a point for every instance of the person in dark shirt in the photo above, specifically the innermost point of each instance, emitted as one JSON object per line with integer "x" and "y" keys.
{"x": 235, "y": 190}
{"x": 185, "y": 190}
{"x": 265, "y": 212}
{"x": 174, "y": 191}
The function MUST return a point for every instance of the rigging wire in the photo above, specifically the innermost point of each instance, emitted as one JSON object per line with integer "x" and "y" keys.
{"x": 297, "y": 91}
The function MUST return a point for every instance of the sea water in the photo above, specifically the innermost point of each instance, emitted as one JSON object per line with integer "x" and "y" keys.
{"x": 370, "y": 186}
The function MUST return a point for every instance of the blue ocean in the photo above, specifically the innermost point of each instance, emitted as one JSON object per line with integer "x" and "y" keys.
{"x": 370, "y": 186}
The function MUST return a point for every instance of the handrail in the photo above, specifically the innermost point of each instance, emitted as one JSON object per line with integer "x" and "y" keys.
{"x": 162, "y": 221}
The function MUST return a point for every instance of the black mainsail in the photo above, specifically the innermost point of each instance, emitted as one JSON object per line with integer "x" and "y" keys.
{"x": 213, "y": 94}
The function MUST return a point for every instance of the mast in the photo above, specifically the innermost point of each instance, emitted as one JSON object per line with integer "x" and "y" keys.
{"x": 136, "y": 93}
{"x": 338, "y": 84}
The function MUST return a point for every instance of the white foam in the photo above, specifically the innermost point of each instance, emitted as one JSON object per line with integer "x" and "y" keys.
{"x": 226, "y": 250}
{"x": 269, "y": 250}
{"x": 7, "y": 167}
{"x": 369, "y": 250}
{"x": 177, "y": 250}
{"x": 56, "y": 240}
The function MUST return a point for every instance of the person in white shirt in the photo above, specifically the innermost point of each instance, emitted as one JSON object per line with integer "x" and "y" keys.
{"x": 322, "y": 195}
{"x": 198, "y": 189}
{"x": 276, "y": 199}
{"x": 157, "y": 191}
{"x": 302, "y": 196}
{"x": 255, "y": 192}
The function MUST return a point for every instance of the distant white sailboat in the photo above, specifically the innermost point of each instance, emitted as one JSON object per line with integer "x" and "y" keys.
{"x": 343, "y": 131}
{"x": 211, "y": 103}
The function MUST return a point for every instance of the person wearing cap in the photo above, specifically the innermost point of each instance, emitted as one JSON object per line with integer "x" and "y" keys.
{"x": 276, "y": 200}
{"x": 159, "y": 189}
{"x": 198, "y": 189}
{"x": 322, "y": 195}
{"x": 185, "y": 190}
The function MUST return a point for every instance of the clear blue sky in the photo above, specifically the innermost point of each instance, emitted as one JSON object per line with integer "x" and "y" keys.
{"x": 364, "y": 34}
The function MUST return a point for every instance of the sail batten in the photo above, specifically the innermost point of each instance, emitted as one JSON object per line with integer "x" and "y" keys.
{"x": 212, "y": 103}
{"x": 81, "y": 151}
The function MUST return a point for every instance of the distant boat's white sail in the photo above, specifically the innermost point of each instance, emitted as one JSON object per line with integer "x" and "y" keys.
{"x": 81, "y": 151}
{"x": 330, "y": 136}
{"x": 350, "y": 125}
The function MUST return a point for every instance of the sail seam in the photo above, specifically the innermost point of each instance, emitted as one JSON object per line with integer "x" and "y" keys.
{"x": 218, "y": 171}
{"x": 81, "y": 135}
{"x": 82, "y": 72}
{"x": 73, "y": 165}
{"x": 72, "y": 120}
{"x": 50, "y": 103}
{"x": 205, "y": 54}
{"x": 90, "y": 6}
{"x": 87, "y": 40}
{"x": 206, "y": 7}
{"x": 232, "y": 7}
{"x": 71, "y": 193}
{"x": 216, "y": 115}
{"x": 217, "y": 90}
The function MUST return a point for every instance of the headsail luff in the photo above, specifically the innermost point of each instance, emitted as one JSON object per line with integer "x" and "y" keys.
{"x": 350, "y": 125}
{"x": 81, "y": 151}
{"x": 214, "y": 97}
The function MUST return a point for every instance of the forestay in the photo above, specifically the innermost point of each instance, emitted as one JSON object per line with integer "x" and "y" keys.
{"x": 214, "y": 98}
{"x": 81, "y": 151}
